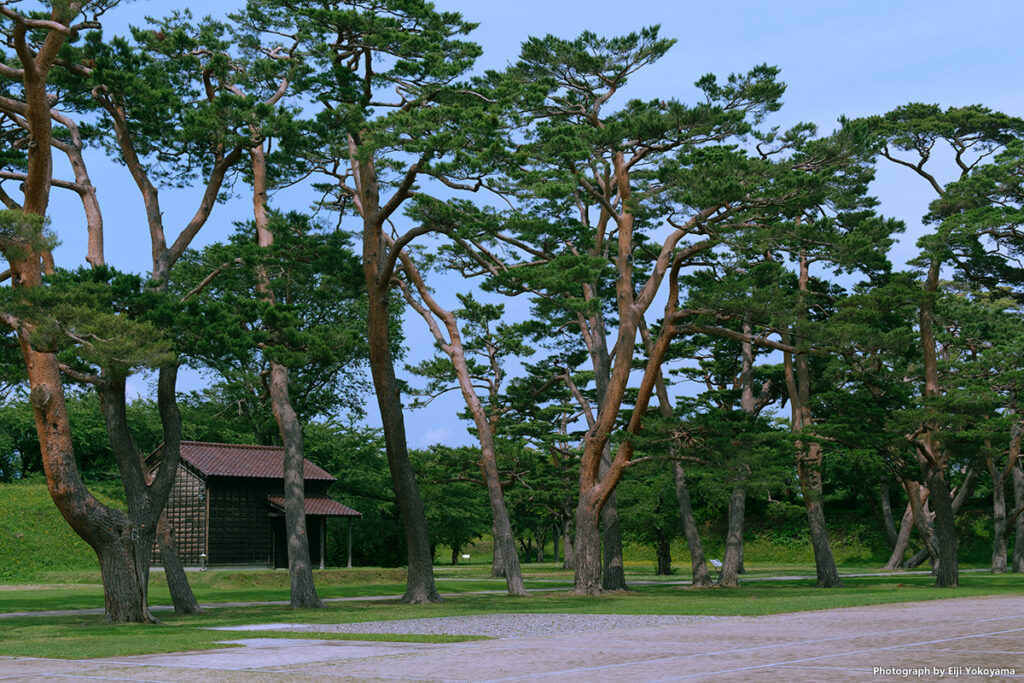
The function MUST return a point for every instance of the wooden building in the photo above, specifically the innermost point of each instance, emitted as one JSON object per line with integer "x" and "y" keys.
{"x": 226, "y": 506}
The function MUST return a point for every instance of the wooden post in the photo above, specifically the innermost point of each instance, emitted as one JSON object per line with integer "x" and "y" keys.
{"x": 350, "y": 543}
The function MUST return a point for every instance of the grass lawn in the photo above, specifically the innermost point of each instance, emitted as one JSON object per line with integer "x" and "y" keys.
{"x": 81, "y": 636}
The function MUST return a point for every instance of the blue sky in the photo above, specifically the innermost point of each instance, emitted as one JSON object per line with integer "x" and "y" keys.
{"x": 838, "y": 57}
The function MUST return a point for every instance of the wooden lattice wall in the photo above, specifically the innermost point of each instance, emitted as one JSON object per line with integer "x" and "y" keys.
{"x": 186, "y": 512}
{"x": 240, "y": 524}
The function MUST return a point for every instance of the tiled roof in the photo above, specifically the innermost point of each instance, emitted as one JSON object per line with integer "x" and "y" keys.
{"x": 234, "y": 460}
{"x": 319, "y": 506}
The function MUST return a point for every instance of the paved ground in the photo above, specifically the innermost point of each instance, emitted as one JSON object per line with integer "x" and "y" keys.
{"x": 969, "y": 639}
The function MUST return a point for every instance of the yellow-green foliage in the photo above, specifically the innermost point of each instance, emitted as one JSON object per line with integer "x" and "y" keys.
{"x": 34, "y": 538}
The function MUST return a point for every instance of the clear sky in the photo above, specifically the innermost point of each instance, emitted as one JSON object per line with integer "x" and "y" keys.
{"x": 838, "y": 57}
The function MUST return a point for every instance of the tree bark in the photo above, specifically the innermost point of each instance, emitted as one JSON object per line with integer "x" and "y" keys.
{"x": 182, "y": 597}
{"x": 485, "y": 424}
{"x": 732, "y": 563}
{"x": 932, "y": 456}
{"x": 106, "y": 530}
{"x": 947, "y": 573}
{"x": 1018, "y": 499}
{"x": 300, "y": 568}
{"x": 498, "y": 558}
{"x": 998, "y": 517}
{"x": 663, "y": 549}
{"x": 729, "y": 576}
{"x": 887, "y": 518}
{"x": 613, "y": 573}
{"x": 902, "y": 540}
{"x": 587, "y": 549}
{"x": 569, "y": 553}
{"x": 698, "y": 563}
{"x": 809, "y": 454}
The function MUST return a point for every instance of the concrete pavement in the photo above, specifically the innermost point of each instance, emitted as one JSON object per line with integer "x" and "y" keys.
{"x": 965, "y": 639}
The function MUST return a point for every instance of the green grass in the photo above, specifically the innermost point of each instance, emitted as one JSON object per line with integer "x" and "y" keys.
{"x": 34, "y": 538}
{"x": 82, "y": 636}
{"x": 231, "y": 588}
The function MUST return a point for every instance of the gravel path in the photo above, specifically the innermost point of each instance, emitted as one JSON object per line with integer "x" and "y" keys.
{"x": 512, "y": 625}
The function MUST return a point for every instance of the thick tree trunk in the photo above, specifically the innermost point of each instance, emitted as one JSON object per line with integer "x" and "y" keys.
{"x": 498, "y": 558}
{"x": 947, "y": 572}
{"x": 663, "y": 549}
{"x": 1018, "y": 499}
{"x": 887, "y": 518}
{"x": 698, "y": 563}
{"x": 902, "y": 540}
{"x": 300, "y": 568}
{"x": 998, "y": 518}
{"x": 569, "y": 553}
{"x": 613, "y": 574}
{"x": 932, "y": 456}
{"x": 809, "y": 453}
{"x": 420, "y": 586}
{"x": 587, "y": 555}
{"x": 182, "y": 597}
{"x": 918, "y": 496}
{"x": 504, "y": 539}
{"x": 430, "y": 311}
{"x": 107, "y": 531}
{"x": 809, "y": 474}
{"x": 729, "y": 576}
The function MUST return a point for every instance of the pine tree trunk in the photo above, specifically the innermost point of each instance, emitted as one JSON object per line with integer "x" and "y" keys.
{"x": 300, "y": 568}
{"x": 587, "y": 555}
{"x": 698, "y": 563}
{"x": 504, "y": 539}
{"x": 182, "y": 597}
{"x": 420, "y": 586}
{"x": 729, "y": 576}
{"x": 1018, "y": 499}
{"x": 613, "y": 574}
{"x": 998, "y": 518}
{"x": 947, "y": 573}
{"x": 902, "y": 540}
{"x": 887, "y": 518}
{"x": 809, "y": 453}
{"x": 497, "y": 557}
{"x": 663, "y": 549}
{"x": 809, "y": 474}
{"x": 569, "y": 554}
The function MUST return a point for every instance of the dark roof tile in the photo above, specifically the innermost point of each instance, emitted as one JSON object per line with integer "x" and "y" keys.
{"x": 319, "y": 506}
{"x": 237, "y": 460}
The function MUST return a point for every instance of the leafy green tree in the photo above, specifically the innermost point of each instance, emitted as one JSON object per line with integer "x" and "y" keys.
{"x": 476, "y": 355}
{"x": 601, "y": 180}
{"x": 32, "y": 45}
{"x": 908, "y": 136}
{"x": 647, "y": 498}
{"x": 457, "y": 510}
{"x": 392, "y": 114}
